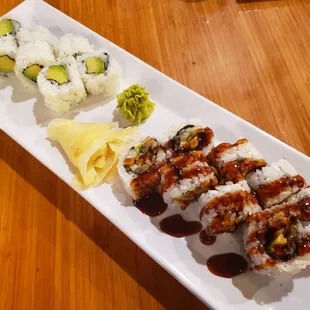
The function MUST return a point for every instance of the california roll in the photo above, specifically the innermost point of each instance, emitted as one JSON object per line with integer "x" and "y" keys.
{"x": 61, "y": 85}
{"x": 99, "y": 72}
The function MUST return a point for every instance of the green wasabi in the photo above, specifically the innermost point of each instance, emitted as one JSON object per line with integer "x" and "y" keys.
{"x": 134, "y": 104}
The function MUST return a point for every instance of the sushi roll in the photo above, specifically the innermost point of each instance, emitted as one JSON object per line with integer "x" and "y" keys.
{"x": 185, "y": 177}
{"x": 277, "y": 240}
{"x": 72, "y": 45}
{"x": 8, "y": 45}
{"x": 190, "y": 137}
{"x": 61, "y": 85}
{"x": 8, "y": 50}
{"x": 31, "y": 35}
{"x": 99, "y": 72}
{"x": 275, "y": 183}
{"x": 235, "y": 161}
{"x": 30, "y": 60}
{"x": 9, "y": 26}
{"x": 138, "y": 167}
{"x": 226, "y": 207}
{"x": 299, "y": 196}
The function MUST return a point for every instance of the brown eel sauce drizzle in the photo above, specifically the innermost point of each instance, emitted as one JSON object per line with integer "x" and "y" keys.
{"x": 176, "y": 226}
{"x": 206, "y": 239}
{"x": 274, "y": 188}
{"x": 282, "y": 220}
{"x": 151, "y": 205}
{"x": 227, "y": 265}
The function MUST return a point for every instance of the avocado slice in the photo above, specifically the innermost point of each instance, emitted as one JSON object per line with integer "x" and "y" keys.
{"x": 94, "y": 65}
{"x": 58, "y": 74}
{"x": 280, "y": 240}
{"x": 6, "y": 64}
{"x": 6, "y": 27}
{"x": 32, "y": 72}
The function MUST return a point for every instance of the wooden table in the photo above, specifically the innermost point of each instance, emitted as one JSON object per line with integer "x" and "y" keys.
{"x": 251, "y": 57}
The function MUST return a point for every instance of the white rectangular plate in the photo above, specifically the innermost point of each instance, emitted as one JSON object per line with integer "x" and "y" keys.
{"x": 24, "y": 118}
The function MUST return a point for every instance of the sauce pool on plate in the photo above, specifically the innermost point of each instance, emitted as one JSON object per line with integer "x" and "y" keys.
{"x": 206, "y": 239}
{"x": 151, "y": 205}
{"x": 227, "y": 265}
{"x": 176, "y": 226}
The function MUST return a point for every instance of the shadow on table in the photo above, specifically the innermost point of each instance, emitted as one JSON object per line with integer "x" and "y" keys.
{"x": 154, "y": 279}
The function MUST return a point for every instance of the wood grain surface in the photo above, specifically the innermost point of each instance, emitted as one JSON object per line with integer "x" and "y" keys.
{"x": 251, "y": 57}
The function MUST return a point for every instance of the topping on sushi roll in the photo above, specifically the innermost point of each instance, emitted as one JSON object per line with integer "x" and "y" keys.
{"x": 235, "y": 161}
{"x": 138, "y": 167}
{"x": 226, "y": 207}
{"x": 275, "y": 183}
{"x": 303, "y": 193}
{"x": 185, "y": 177}
{"x": 278, "y": 239}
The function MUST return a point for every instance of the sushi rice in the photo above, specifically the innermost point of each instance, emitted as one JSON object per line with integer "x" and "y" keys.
{"x": 235, "y": 161}
{"x": 239, "y": 152}
{"x": 8, "y": 47}
{"x": 32, "y": 53}
{"x": 39, "y": 33}
{"x": 288, "y": 225}
{"x": 179, "y": 131}
{"x": 72, "y": 45}
{"x": 303, "y": 193}
{"x": 62, "y": 97}
{"x": 106, "y": 82}
{"x": 275, "y": 183}
{"x": 141, "y": 183}
{"x": 226, "y": 207}
{"x": 185, "y": 177}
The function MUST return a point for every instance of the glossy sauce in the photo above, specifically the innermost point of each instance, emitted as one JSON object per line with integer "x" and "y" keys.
{"x": 206, "y": 239}
{"x": 177, "y": 227}
{"x": 231, "y": 205}
{"x": 181, "y": 166}
{"x": 275, "y": 188}
{"x": 273, "y": 220}
{"x": 202, "y": 137}
{"x": 234, "y": 171}
{"x": 151, "y": 205}
{"x": 227, "y": 265}
{"x": 145, "y": 184}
